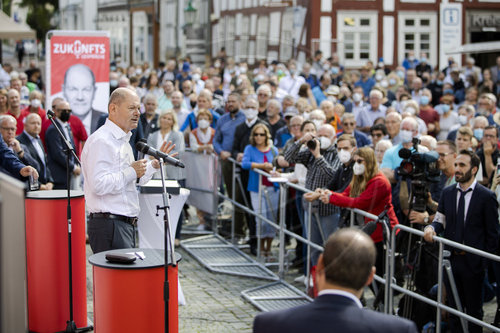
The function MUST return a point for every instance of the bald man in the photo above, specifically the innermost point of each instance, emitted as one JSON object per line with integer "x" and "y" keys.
{"x": 343, "y": 271}
{"x": 79, "y": 90}
{"x": 110, "y": 172}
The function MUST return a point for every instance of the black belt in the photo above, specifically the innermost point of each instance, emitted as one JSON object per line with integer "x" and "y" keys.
{"x": 459, "y": 253}
{"x": 109, "y": 216}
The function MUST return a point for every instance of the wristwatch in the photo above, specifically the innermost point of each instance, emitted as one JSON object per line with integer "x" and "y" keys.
{"x": 426, "y": 219}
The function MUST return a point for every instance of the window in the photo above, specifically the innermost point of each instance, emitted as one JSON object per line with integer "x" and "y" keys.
{"x": 418, "y": 33}
{"x": 357, "y": 34}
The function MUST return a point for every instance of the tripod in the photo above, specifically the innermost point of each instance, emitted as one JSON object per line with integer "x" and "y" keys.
{"x": 70, "y": 323}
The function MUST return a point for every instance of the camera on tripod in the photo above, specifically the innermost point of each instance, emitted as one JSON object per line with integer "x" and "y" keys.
{"x": 422, "y": 170}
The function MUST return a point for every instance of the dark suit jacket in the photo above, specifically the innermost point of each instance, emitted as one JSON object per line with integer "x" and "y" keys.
{"x": 481, "y": 222}
{"x": 94, "y": 120}
{"x": 9, "y": 162}
{"x": 57, "y": 156}
{"x": 44, "y": 173}
{"x": 332, "y": 314}
{"x": 242, "y": 136}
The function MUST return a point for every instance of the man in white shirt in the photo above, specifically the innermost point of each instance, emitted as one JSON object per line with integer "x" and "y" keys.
{"x": 292, "y": 82}
{"x": 344, "y": 269}
{"x": 111, "y": 173}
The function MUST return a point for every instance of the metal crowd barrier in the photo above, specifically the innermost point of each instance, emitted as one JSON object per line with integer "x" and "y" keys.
{"x": 388, "y": 280}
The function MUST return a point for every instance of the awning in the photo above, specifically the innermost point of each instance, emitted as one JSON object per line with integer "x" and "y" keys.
{"x": 485, "y": 47}
{"x": 10, "y": 29}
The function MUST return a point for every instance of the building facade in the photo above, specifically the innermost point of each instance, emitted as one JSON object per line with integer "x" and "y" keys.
{"x": 357, "y": 30}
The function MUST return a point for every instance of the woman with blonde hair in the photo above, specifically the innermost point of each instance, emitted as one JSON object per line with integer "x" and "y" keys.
{"x": 259, "y": 154}
{"x": 369, "y": 191}
{"x": 4, "y": 107}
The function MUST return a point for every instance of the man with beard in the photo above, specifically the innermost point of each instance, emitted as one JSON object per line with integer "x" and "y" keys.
{"x": 467, "y": 214}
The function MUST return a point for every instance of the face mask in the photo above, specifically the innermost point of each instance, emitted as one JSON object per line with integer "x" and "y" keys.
{"x": 358, "y": 169}
{"x": 406, "y": 136}
{"x": 335, "y": 70}
{"x": 196, "y": 77}
{"x": 402, "y": 105}
{"x": 378, "y": 77}
{"x": 411, "y": 58}
{"x": 357, "y": 97}
{"x": 193, "y": 104}
{"x": 64, "y": 116}
{"x": 462, "y": 119}
{"x": 401, "y": 74}
{"x": 411, "y": 111}
{"x": 344, "y": 156}
{"x": 482, "y": 111}
{"x": 36, "y": 103}
{"x": 392, "y": 82}
{"x": 279, "y": 72}
{"x": 324, "y": 142}
{"x": 478, "y": 133}
{"x": 448, "y": 92}
{"x": 292, "y": 72}
{"x": 113, "y": 68}
{"x": 251, "y": 114}
{"x": 424, "y": 100}
{"x": 203, "y": 123}
{"x": 384, "y": 84}
{"x": 445, "y": 108}
{"x": 306, "y": 115}
{"x": 317, "y": 123}
{"x": 423, "y": 59}
{"x": 113, "y": 83}
{"x": 439, "y": 82}
{"x": 326, "y": 67}
{"x": 243, "y": 70}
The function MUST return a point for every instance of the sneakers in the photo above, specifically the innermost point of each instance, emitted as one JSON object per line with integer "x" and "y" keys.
{"x": 200, "y": 227}
{"x": 300, "y": 279}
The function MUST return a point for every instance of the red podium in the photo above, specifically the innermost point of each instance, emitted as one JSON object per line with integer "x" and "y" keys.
{"x": 47, "y": 260}
{"x": 129, "y": 297}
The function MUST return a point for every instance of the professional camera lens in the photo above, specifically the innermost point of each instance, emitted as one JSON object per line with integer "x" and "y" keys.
{"x": 311, "y": 144}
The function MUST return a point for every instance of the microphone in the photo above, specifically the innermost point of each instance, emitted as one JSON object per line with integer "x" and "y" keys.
{"x": 144, "y": 148}
{"x": 51, "y": 114}
{"x": 369, "y": 228}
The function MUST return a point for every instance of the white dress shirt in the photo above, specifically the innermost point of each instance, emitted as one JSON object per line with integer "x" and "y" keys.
{"x": 110, "y": 180}
{"x": 441, "y": 218}
{"x": 38, "y": 148}
{"x": 341, "y": 293}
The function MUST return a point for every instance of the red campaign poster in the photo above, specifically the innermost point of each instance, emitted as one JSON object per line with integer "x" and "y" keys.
{"x": 79, "y": 72}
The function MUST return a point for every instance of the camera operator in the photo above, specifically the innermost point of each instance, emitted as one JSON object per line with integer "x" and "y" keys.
{"x": 322, "y": 162}
{"x": 489, "y": 153}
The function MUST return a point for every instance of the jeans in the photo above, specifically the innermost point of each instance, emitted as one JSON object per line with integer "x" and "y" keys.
{"x": 328, "y": 225}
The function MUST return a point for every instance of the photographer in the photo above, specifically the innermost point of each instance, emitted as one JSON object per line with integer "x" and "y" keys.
{"x": 321, "y": 160}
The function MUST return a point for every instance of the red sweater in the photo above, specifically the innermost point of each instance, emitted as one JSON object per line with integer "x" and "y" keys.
{"x": 374, "y": 199}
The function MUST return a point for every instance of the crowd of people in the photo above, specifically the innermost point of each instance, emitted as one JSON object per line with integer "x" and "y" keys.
{"x": 337, "y": 132}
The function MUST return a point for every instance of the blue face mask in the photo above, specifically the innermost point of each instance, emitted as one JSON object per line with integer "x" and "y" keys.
{"x": 392, "y": 82}
{"x": 335, "y": 70}
{"x": 424, "y": 100}
{"x": 113, "y": 83}
{"x": 401, "y": 74}
{"x": 445, "y": 108}
{"x": 478, "y": 133}
{"x": 439, "y": 82}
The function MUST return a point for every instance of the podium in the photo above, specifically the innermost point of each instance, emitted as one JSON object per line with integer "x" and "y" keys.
{"x": 47, "y": 260}
{"x": 129, "y": 297}
{"x": 150, "y": 226}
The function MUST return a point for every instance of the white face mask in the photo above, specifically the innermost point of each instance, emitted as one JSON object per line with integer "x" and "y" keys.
{"x": 384, "y": 84}
{"x": 358, "y": 169}
{"x": 306, "y": 115}
{"x": 317, "y": 123}
{"x": 332, "y": 99}
{"x": 203, "y": 123}
{"x": 378, "y": 77}
{"x": 462, "y": 119}
{"x": 36, "y": 103}
{"x": 357, "y": 97}
{"x": 251, "y": 114}
{"x": 324, "y": 142}
{"x": 196, "y": 77}
{"x": 411, "y": 110}
{"x": 406, "y": 136}
{"x": 344, "y": 156}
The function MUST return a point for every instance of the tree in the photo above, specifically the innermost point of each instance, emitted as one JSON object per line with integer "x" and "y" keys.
{"x": 40, "y": 15}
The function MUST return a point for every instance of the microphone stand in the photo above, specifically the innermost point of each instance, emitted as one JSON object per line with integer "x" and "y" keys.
{"x": 167, "y": 241}
{"x": 70, "y": 324}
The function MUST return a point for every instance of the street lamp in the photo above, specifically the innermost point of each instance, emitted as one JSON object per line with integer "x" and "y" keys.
{"x": 190, "y": 13}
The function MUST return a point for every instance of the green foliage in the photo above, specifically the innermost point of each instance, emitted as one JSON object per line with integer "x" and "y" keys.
{"x": 40, "y": 14}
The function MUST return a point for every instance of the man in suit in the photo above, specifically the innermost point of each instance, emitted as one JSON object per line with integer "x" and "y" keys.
{"x": 467, "y": 214}
{"x": 30, "y": 138}
{"x": 79, "y": 90}
{"x": 56, "y": 147}
{"x": 343, "y": 270}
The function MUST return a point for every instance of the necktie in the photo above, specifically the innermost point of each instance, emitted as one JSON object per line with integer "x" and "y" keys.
{"x": 460, "y": 222}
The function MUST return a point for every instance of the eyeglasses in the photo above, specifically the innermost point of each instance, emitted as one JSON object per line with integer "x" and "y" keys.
{"x": 259, "y": 134}
{"x": 12, "y": 129}
{"x": 348, "y": 124}
{"x": 359, "y": 161}
{"x": 444, "y": 154}
{"x": 378, "y": 135}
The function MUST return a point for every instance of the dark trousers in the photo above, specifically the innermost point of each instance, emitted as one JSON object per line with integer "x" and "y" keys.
{"x": 470, "y": 290}
{"x": 239, "y": 215}
{"x": 106, "y": 234}
{"x": 250, "y": 218}
{"x": 182, "y": 183}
